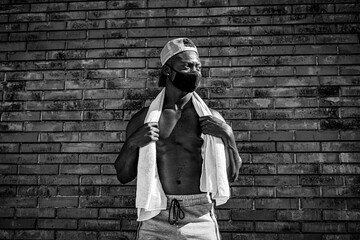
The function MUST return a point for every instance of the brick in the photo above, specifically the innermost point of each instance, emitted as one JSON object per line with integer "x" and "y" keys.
{"x": 63, "y": 95}
{"x": 9, "y": 147}
{"x": 258, "y": 169}
{"x": 117, "y": 213}
{"x": 229, "y": 31}
{"x": 99, "y": 224}
{"x": 271, "y": 136}
{"x": 340, "y": 169}
{"x": 85, "y": 235}
{"x": 99, "y": 180}
{"x": 21, "y": 116}
{"x": 340, "y": 146}
{"x": 45, "y": 85}
{"x": 341, "y": 215}
{"x": 7, "y": 212}
{"x": 59, "y": 180}
{"x": 257, "y": 147}
{"x": 56, "y": 224}
{"x": 349, "y": 157}
{"x": 78, "y": 25}
{"x": 253, "y": 215}
{"x": 27, "y": 36}
{"x": 275, "y": 180}
{"x": 322, "y": 203}
{"x": 164, "y": 4}
{"x": 18, "y": 137}
{"x": 235, "y": 226}
{"x": 272, "y": 157}
{"x": 118, "y": 190}
{"x": 59, "y": 137}
{"x": 317, "y": 113}
{"x": 320, "y": 180}
{"x": 323, "y": 227}
{"x": 353, "y": 204}
{"x": 83, "y": 126}
{"x": 310, "y": 135}
{"x": 13, "y": 27}
{"x": 8, "y": 191}
{"x": 37, "y": 191}
{"x": 18, "y": 46}
{"x": 113, "y": 147}
{"x": 18, "y": 179}
{"x": 101, "y": 137}
{"x": 298, "y": 169}
{"x": 108, "y": 93}
{"x": 43, "y": 126}
{"x": 38, "y": 169}
{"x": 80, "y": 169}
{"x": 336, "y": 38}
{"x": 353, "y": 227}
{"x": 18, "y": 223}
{"x": 18, "y": 202}
{"x": 34, "y": 234}
{"x": 278, "y": 203}
{"x": 61, "y": 115}
{"x": 85, "y": 44}
{"x": 40, "y": 147}
{"x": 4, "y": 126}
{"x": 97, "y": 158}
{"x": 102, "y": 115}
{"x": 77, "y": 213}
{"x": 87, "y": 6}
{"x": 299, "y": 215}
{"x": 12, "y": 106}
{"x": 80, "y": 147}
{"x": 258, "y": 10}
{"x": 277, "y": 226}
{"x": 35, "y": 212}
{"x": 58, "y": 202}
{"x": 101, "y": 202}
{"x": 297, "y": 192}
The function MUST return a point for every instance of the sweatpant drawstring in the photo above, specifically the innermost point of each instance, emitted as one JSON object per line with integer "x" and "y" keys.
{"x": 177, "y": 212}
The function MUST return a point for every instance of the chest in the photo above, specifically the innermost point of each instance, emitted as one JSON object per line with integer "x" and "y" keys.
{"x": 181, "y": 125}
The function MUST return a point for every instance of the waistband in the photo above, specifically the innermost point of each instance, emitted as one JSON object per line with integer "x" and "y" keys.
{"x": 190, "y": 200}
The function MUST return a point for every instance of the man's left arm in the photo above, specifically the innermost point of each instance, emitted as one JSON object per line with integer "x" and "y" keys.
{"x": 215, "y": 125}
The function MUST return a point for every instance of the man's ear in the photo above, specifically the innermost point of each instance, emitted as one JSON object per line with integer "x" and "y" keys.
{"x": 166, "y": 70}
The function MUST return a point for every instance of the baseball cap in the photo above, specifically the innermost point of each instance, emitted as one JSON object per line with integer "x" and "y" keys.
{"x": 176, "y": 46}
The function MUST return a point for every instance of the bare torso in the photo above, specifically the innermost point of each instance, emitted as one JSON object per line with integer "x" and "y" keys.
{"x": 178, "y": 150}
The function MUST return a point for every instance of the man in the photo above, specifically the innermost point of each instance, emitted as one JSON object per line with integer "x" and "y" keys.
{"x": 179, "y": 136}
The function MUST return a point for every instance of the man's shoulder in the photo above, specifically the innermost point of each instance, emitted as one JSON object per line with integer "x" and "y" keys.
{"x": 137, "y": 119}
{"x": 141, "y": 114}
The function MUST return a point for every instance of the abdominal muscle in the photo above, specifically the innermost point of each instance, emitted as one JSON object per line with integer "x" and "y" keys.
{"x": 179, "y": 158}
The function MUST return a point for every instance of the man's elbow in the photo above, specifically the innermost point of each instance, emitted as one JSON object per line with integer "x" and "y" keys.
{"x": 123, "y": 177}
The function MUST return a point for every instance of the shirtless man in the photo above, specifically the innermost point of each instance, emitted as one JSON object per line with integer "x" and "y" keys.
{"x": 178, "y": 148}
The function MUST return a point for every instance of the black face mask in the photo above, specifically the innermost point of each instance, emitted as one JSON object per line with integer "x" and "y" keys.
{"x": 186, "y": 82}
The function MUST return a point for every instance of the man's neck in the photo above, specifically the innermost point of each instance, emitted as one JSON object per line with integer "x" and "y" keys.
{"x": 176, "y": 100}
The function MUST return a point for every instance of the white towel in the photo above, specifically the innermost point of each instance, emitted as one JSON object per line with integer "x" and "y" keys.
{"x": 150, "y": 196}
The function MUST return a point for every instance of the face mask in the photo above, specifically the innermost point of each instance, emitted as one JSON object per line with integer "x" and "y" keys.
{"x": 186, "y": 82}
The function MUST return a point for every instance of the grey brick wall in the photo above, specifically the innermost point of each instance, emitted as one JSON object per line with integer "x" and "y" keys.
{"x": 284, "y": 74}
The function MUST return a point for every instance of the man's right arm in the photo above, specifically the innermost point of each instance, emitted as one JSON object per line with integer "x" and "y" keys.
{"x": 138, "y": 135}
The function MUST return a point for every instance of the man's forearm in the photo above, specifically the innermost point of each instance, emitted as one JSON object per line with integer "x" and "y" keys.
{"x": 234, "y": 162}
{"x": 126, "y": 163}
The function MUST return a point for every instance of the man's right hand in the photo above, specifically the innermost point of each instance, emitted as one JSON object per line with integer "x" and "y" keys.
{"x": 149, "y": 132}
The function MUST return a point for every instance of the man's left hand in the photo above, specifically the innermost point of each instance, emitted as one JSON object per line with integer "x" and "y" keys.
{"x": 214, "y": 126}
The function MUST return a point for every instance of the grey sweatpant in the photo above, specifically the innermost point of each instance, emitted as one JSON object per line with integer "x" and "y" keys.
{"x": 186, "y": 217}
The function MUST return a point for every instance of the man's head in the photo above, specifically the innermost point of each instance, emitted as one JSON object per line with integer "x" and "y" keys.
{"x": 180, "y": 63}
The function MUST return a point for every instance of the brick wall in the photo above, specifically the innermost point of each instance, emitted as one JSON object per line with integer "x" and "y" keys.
{"x": 284, "y": 74}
